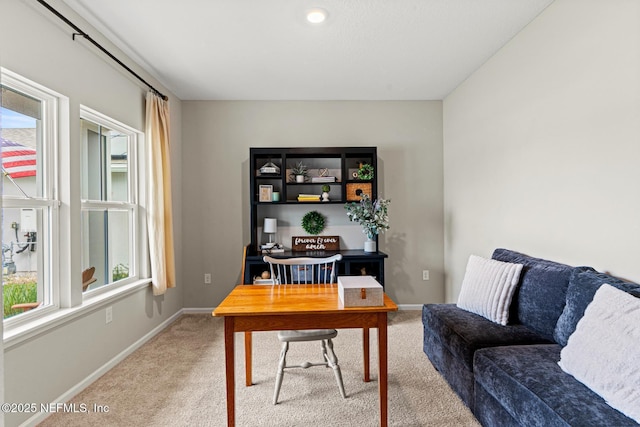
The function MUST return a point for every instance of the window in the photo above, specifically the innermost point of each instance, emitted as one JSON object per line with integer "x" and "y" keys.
{"x": 109, "y": 188}
{"x": 28, "y": 133}
{"x": 40, "y": 200}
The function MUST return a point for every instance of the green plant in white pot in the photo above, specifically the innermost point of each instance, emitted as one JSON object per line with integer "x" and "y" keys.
{"x": 372, "y": 215}
{"x": 325, "y": 192}
{"x": 299, "y": 172}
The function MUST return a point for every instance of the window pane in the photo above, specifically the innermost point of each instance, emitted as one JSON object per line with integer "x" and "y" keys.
{"x": 22, "y": 263}
{"x": 106, "y": 237}
{"x": 21, "y": 138}
{"x": 105, "y": 163}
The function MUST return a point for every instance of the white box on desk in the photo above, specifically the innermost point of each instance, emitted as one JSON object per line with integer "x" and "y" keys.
{"x": 360, "y": 291}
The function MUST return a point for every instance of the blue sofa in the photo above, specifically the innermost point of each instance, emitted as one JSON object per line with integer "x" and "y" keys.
{"x": 509, "y": 375}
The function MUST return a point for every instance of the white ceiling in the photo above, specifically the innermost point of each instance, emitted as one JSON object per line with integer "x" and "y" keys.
{"x": 265, "y": 50}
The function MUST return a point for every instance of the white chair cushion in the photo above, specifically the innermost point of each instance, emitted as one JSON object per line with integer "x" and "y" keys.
{"x": 307, "y": 335}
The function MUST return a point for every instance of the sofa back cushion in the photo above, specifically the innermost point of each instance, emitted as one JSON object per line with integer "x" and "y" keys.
{"x": 583, "y": 284}
{"x": 541, "y": 293}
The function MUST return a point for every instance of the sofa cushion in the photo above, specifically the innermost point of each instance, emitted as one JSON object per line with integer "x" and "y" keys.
{"x": 541, "y": 294}
{"x": 600, "y": 351}
{"x": 583, "y": 284}
{"x": 532, "y": 388}
{"x": 462, "y": 332}
{"x": 487, "y": 288}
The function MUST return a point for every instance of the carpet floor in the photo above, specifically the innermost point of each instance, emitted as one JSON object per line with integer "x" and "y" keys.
{"x": 178, "y": 379}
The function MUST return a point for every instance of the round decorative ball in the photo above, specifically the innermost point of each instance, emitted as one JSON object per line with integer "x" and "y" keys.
{"x": 313, "y": 222}
{"x": 265, "y": 275}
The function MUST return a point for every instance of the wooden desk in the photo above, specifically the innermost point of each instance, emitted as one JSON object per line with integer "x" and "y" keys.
{"x": 274, "y": 308}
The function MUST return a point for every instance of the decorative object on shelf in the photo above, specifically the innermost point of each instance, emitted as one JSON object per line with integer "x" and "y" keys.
{"x": 263, "y": 279}
{"x": 355, "y": 190}
{"x": 313, "y": 222}
{"x": 315, "y": 243}
{"x": 372, "y": 215}
{"x": 275, "y": 196}
{"x": 323, "y": 176}
{"x": 270, "y": 227}
{"x": 365, "y": 172}
{"x": 265, "y": 193}
{"x": 299, "y": 172}
{"x": 325, "y": 193}
{"x": 269, "y": 168}
{"x": 308, "y": 197}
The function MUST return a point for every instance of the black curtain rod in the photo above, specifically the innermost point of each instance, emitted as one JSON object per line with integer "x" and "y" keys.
{"x": 96, "y": 44}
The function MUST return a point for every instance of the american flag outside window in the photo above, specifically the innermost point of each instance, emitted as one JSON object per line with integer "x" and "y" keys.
{"x": 18, "y": 161}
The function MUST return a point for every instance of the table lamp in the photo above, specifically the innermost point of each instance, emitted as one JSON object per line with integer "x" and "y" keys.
{"x": 270, "y": 227}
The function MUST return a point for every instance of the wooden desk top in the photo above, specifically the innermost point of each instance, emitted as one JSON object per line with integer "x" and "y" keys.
{"x": 252, "y": 300}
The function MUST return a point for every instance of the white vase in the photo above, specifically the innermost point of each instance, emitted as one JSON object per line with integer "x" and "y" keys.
{"x": 299, "y": 178}
{"x": 369, "y": 245}
{"x": 325, "y": 197}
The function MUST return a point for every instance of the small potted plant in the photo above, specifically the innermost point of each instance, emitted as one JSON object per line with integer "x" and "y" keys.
{"x": 325, "y": 192}
{"x": 372, "y": 215}
{"x": 299, "y": 172}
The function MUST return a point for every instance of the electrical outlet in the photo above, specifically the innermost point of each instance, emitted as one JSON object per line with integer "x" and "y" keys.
{"x": 207, "y": 278}
{"x": 425, "y": 274}
{"x": 109, "y": 312}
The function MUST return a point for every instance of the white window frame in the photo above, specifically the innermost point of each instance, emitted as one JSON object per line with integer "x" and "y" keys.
{"x": 53, "y": 112}
{"x": 67, "y": 300}
{"x": 133, "y": 205}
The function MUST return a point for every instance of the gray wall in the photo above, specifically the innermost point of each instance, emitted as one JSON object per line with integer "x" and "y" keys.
{"x": 541, "y": 144}
{"x": 217, "y": 136}
{"x": 38, "y": 46}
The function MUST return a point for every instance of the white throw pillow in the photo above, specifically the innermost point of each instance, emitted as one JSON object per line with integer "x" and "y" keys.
{"x": 488, "y": 287}
{"x": 602, "y": 353}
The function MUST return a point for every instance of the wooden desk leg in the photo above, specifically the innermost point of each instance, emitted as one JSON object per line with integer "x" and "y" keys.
{"x": 365, "y": 352}
{"x": 229, "y": 358}
{"x": 247, "y": 358}
{"x": 382, "y": 367}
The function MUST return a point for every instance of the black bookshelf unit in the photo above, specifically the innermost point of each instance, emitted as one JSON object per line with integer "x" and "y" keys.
{"x": 341, "y": 168}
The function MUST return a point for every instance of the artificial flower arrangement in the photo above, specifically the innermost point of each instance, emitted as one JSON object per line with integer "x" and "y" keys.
{"x": 372, "y": 215}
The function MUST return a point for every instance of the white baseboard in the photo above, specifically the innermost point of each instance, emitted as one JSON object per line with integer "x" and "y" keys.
{"x": 73, "y": 391}
{"x": 198, "y": 310}
{"x": 409, "y": 306}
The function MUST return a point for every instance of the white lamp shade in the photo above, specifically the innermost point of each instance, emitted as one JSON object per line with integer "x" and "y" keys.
{"x": 270, "y": 225}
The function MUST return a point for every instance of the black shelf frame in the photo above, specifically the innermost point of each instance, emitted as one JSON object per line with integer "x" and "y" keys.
{"x": 344, "y": 159}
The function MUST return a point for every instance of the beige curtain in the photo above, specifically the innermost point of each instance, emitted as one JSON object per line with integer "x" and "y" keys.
{"x": 159, "y": 212}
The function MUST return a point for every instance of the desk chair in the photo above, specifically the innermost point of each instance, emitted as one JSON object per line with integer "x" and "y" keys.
{"x": 302, "y": 270}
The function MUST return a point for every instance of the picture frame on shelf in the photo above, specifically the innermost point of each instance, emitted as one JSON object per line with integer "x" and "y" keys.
{"x": 265, "y": 193}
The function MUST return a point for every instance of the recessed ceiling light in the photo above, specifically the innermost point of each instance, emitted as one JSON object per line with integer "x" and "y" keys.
{"x": 316, "y": 15}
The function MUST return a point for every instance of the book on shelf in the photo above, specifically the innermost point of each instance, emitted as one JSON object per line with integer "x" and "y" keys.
{"x": 308, "y": 197}
{"x": 323, "y": 179}
{"x": 273, "y": 251}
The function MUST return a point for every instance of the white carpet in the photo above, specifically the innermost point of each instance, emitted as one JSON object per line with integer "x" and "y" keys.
{"x": 177, "y": 379}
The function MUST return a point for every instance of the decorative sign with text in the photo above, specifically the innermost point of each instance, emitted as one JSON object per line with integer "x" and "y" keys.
{"x": 315, "y": 243}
